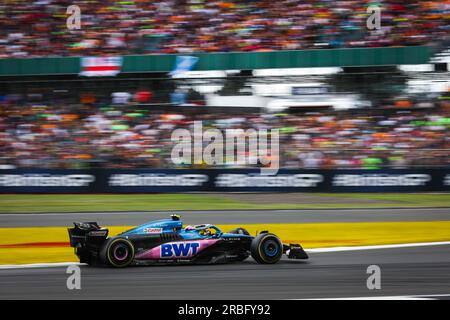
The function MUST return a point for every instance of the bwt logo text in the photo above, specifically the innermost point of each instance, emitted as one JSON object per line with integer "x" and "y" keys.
{"x": 179, "y": 249}
{"x": 237, "y": 148}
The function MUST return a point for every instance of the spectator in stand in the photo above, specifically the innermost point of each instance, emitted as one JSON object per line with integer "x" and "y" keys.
{"x": 108, "y": 27}
{"x": 143, "y": 96}
{"x": 120, "y": 97}
{"x": 51, "y": 135}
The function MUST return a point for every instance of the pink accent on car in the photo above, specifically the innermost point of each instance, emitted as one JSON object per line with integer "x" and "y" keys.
{"x": 175, "y": 250}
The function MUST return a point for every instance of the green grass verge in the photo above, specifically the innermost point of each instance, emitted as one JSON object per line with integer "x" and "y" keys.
{"x": 150, "y": 202}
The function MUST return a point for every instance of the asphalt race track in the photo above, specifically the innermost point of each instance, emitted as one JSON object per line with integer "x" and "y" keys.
{"x": 422, "y": 270}
{"x": 404, "y": 271}
{"x": 227, "y": 217}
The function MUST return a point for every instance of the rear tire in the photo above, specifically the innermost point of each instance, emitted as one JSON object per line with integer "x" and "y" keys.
{"x": 266, "y": 248}
{"x": 118, "y": 252}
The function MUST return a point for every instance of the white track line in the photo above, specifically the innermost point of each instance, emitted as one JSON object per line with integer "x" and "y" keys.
{"x": 316, "y": 250}
{"x": 385, "y": 246}
{"x": 39, "y": 265}
{"x": 412, "y": 297}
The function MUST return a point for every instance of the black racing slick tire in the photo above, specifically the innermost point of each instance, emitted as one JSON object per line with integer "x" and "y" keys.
{"x": 266, "y": 248}
{"x": 118, "y": 252}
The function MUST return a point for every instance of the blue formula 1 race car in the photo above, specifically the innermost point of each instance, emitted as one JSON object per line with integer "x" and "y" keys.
{"x": 166, "y": 241}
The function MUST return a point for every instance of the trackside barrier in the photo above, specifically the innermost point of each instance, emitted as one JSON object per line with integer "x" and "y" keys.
{"x": 215, "y": 180}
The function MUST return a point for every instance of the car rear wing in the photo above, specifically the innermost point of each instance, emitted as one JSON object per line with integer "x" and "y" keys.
{"x": 87, "y": 234}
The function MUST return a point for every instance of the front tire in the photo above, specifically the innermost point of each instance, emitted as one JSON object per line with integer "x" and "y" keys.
{"x": 118, "y": 252}
{"x": 266, "y": 248}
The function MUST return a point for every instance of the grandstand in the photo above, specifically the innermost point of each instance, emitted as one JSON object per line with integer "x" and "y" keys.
{"x": 360, "y": 107}
{"x": 186, "y": 26}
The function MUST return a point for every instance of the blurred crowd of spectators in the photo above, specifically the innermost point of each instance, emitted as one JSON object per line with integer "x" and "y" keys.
{"x": 127, "y": 136}
{"x": 34, "y": 28}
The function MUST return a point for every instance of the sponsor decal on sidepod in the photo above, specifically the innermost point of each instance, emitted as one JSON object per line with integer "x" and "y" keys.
{"x": 174, "y": 250}
{"x": 153, "y": 230}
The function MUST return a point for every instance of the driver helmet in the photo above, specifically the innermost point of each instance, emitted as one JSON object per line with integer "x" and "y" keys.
{"x": 205, "y": 232}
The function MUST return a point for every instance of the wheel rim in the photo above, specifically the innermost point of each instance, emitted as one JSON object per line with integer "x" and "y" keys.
{"x": 120, "y": 252}
{"x": 271, "y": 248}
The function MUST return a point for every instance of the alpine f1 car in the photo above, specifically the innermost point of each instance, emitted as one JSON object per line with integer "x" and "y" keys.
{"x": 166, "y": 241}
